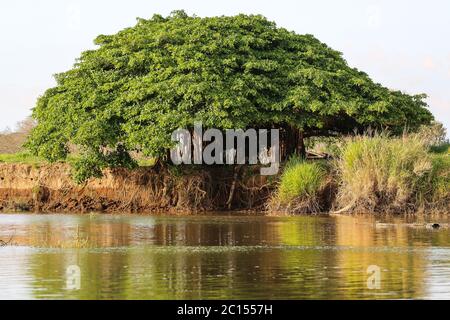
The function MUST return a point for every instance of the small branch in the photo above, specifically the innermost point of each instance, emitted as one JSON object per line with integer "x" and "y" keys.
{"x": 233, "y": 186}
{"x": 345, "y": 209}
{"x": 267, "y": 185}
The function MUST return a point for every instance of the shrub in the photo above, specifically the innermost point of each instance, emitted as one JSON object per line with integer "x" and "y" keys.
{"x": 443, "y": 148}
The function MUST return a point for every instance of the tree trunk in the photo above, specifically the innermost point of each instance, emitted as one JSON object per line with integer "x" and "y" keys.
{"x": 301, "y": 145}
{"x": 236, "y": 176}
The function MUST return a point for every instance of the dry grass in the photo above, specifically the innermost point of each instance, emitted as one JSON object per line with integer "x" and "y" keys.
{"x": 392, "y": 175}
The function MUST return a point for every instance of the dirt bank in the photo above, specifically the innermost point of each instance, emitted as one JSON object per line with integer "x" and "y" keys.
{"x": 49, "y": 188}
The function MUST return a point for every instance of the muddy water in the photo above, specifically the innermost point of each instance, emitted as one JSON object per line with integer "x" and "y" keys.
{"x": 227, "y": 257}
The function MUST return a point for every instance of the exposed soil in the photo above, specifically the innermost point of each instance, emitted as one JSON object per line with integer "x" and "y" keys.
{"x": 50, "y": 188}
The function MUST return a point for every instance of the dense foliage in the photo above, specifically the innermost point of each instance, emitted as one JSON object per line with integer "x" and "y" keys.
{"x": 228, "y": 72}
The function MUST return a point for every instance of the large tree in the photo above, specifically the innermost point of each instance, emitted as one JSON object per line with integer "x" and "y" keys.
{"x": 227, "y": 72}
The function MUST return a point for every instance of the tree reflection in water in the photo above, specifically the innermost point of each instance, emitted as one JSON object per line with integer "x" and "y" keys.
{"x": 141, "y": 257}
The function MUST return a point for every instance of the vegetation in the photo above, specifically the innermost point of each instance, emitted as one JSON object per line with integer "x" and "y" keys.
{"x": 26, "y": 158}
{"x": 300, "y": 179}
{"x": 21, "y": 157}
{"x": 384, "y": 174}
{"x": 441, "y": 149}
{"x": 140, "y": 84}
{"x": 374, "y": 172}
{"x": 120, "y": 103}
{"x": 12, "y": 141}
{"x": 300, "y": 186}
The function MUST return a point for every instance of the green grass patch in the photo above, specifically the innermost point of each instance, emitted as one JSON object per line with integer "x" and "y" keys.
{"x": 21, "y": 158}
{"x": 26, "y": 158}
{"x": 300, "y": 179}
{"x": 146, "y": 162}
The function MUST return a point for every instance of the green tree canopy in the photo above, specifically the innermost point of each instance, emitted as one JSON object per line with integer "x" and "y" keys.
{"x": 227, "y": 72}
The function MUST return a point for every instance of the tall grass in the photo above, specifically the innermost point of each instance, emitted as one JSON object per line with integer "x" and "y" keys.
{"x": 439, "y": 180}
{"x": 383, "y": 174}
{"x": 300, "y": 186}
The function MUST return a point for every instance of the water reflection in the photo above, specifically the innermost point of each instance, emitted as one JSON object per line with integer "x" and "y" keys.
{"x": 140, "y": 257}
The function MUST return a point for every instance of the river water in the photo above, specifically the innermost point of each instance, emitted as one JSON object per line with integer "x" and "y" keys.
{"x": 222, "y": 257}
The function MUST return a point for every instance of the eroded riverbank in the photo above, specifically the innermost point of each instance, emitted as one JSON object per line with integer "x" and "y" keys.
{"x": 187, "y": 190}
{"x": 50, "y": 188}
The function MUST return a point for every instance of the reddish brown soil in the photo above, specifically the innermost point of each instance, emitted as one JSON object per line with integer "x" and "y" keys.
{"x": 50, "y": 188}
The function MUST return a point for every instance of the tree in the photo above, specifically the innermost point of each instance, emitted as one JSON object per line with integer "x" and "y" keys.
{"x": 227, "y": 72}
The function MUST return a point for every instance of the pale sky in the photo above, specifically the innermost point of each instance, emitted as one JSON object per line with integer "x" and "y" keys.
{"x": 403, "y": 44}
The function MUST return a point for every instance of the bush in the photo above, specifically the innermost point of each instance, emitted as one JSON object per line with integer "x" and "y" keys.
{"x": 443, "y": 148}
{"x": 300, "y": 186}
{"x": 383, "y": 174}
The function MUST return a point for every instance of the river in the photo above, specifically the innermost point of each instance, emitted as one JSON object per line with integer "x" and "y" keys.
{"x": 98, "y": 256}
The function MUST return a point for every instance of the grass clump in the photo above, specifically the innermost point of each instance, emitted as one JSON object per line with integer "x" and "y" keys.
{"x": 300, "y": 186}
{"x": 439, "y": 181}
{"x": 393, "y": 175}
{"x": 146, "y": 162}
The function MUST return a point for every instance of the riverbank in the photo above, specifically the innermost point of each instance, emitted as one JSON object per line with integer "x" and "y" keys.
{"x": 152, "y": 190}
{"x": 50, "y": 188}
{"x": 367, "y": 174}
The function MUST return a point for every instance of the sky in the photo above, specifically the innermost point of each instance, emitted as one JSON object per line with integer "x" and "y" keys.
{"x": 402, "y": 44}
